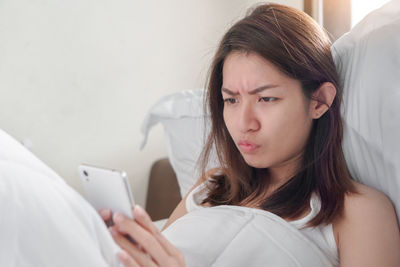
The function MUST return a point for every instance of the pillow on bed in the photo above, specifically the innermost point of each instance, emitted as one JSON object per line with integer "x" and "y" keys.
{"x": 181, "y": 114}
{"x": 368, "y": 61}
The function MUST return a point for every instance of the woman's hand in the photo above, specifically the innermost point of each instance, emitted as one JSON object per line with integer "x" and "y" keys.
{"x": 150, "y": 247}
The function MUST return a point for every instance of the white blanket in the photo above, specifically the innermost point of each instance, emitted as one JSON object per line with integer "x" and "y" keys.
{"x": 241, "y": 236}
{"x": 44, "y": 222}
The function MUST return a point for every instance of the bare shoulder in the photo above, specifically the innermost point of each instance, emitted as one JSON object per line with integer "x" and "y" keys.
{"x": 368, "y": 202}
{"x": 368, "y": 232}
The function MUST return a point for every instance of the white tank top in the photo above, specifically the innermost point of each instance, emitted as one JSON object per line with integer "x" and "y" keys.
{"x": 322, "y": 235}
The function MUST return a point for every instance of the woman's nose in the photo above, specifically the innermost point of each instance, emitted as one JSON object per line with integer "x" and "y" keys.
{"x": 247, "y": 119}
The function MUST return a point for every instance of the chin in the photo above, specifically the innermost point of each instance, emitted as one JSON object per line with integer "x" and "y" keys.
{"x": 255, "y": 163}
{"x": 257, "y": 166}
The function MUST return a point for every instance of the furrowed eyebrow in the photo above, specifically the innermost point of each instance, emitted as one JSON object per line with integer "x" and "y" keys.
{"x": 252, "y": 92}
{"x": 262, "y": 88}
{"x": 229, "y": 92}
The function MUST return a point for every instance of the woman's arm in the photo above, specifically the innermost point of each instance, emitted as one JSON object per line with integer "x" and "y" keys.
{"x": 178, "y": 212}
{"x": 368, "y": 232}
{"x": 180, "y": 209}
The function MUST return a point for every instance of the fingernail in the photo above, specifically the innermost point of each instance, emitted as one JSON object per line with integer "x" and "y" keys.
{"x": 105, "y": 213}
{"x": 123, "y": 256}
{"x": 138, "y": 210}
{"x": 118, "y": 217}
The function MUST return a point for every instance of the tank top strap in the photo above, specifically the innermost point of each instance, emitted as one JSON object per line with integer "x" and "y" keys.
{"x": 196, "y": 196}
{"x": 315, "y": 205}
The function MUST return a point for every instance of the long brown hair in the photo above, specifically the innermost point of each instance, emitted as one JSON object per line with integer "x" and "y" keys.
{"x": 296, "y": 45}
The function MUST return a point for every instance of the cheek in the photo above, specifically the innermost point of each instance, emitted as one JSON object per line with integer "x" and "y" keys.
{"x": 296, "y": 131}
{"x": 227, "y": 116}
{"x": 288, "y": 126}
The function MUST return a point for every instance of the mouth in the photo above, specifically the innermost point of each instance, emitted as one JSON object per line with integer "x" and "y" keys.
{"x": 247, "y": 146}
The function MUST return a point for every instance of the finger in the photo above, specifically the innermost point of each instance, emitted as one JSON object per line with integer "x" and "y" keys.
{"x": 142, "y": 218}
{"x": 139, "y": 257}
{"x": 106, "y": 215}
{"x": 142, "y": 236}
{"x": 127, "y": 260}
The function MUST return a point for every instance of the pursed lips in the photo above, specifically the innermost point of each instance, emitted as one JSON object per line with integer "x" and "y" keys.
{"x": 247, "y": 146}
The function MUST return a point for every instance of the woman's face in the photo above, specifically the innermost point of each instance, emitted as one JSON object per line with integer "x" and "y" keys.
{"x": 265, "y": 112}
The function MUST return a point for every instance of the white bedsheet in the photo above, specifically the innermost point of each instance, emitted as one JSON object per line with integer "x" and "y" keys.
{"x": 44, "y": 222}
{"x": 241, "y": 236}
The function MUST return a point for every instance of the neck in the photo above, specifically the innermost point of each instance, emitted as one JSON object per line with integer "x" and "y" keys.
{"x": 282, "y": 173}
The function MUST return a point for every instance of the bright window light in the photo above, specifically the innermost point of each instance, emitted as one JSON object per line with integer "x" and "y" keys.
{"x": 360, "y": 8}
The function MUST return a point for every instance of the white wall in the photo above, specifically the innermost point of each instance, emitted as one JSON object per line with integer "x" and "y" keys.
{"x": 77, "y": 76}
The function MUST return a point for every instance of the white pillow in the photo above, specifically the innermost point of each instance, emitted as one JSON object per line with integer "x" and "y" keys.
{"x": 182, "y": 117}
{"x": 44, "y": 222}
{"x": 368, "y": 60}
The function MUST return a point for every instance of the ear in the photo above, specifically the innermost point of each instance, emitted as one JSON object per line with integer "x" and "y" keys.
{"x": 322, "y": 99}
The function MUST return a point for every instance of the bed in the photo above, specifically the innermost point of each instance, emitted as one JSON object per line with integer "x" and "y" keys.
{"x": 47, "y": 223}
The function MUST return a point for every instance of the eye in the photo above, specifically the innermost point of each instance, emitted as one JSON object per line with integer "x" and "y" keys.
{"x": 230, "y": 100}
{"x": 267, "y": 99}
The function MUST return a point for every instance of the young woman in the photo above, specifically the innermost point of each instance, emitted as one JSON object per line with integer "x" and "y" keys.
{"x": 274, "y": 99}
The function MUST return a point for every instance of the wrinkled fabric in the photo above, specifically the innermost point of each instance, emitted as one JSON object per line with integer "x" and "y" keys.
{"x": 241, "y": 236}
{"x": 43, "y": 221}
{"x": 185, "y": 130}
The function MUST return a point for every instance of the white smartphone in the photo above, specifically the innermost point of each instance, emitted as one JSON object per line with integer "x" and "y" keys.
{"x": 107, "y": 189}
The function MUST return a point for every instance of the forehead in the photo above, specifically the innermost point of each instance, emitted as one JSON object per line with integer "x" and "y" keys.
{"x": 246, "y": 71}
